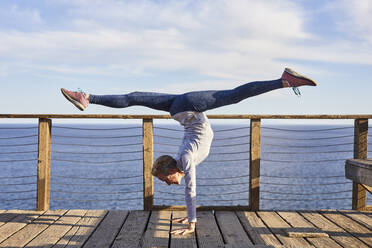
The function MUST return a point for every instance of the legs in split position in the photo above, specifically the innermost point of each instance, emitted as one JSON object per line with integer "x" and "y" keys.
{"x": 198, "y": 101}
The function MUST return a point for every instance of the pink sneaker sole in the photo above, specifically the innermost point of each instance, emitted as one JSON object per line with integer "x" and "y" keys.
{"x": 72, "y": 100}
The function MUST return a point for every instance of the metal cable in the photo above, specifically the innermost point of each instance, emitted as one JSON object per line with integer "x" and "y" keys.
{"x": 324, "y": 199}
{"x": 18, "y": 137}
{"x": 18, "y": 152}
{"x": 215, "y": 131}
{"x": 20, "y": 160}
{"x": 330, "y": 152}
{"x": 301, "y": 177}
{"x": 96, "y": 137}
{"x": 163, "y": 144}
{"x": 97, "y": 200}
{"x": 225, "y": 184}
{"x": 318, "y": 138}
{"x": 304, "y": 184}
{"x": 22, "y": 199}
{"x": 231, "y": 145}
{"x": 170, "y": 129}
{"x": 310, "y": 130}
{"x": 230, "y": 160}
{"x": 10, "y": 145}
{"x": 305, "y": 161}
{"x": 229, "y": 200}
{"x": 98, "y": 129}
{"x": 212, "y": 153}
{"x": 167, "y": 137}
{"x": 213, "y": 146}
{"x": 94, "y": 162}
{"x": 13, "y": 184}
{"x": 207, "y": 185}
{"x": 13, "y": 192}
{"x": 219, "y": 178}
{"x": 229, "y": 193}
{"x": 324, "y": 193}
{"x": 289, "y": 146}
{"x": 217, "y": 200}
{"x": 96, "y": 178}
{"x": 97, "y": 193}
{"x": 18, "y": 128}
{"x": 118, "y": 145}
{"x": 230, "y": 138}
{"x": 17, "y": 177}
{"x": 215, "y": 139}
{"x": 96, "y": 153}
{"x": 230, "y": 129}
{"x": 97, "y": 184}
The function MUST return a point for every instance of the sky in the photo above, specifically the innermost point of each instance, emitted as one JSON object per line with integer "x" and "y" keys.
{"x": 119, "y": 46}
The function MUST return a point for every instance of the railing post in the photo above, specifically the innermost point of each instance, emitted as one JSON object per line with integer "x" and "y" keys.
{"x": 43, "y": 168}
{"x": 360, "y": 151}
{"x": 148, "y": 158}
{"x": 254, "y": 164}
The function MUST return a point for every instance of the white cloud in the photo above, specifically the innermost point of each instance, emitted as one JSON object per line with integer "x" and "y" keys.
{"x": 354, "y": 18}
{"x": 231, "y": 40}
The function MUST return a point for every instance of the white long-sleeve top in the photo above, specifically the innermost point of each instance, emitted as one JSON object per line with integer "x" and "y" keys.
{"x": 193, "y": 150}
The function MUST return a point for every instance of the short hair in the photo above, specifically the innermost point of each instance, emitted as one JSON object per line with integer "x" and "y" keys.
{"x": 163, "y": 164}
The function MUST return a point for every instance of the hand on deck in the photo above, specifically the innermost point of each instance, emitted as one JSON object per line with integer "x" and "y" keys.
{"x": 183, "y": 231}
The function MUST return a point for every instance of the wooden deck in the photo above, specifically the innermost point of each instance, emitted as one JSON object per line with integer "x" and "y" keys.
{"x": 100, "y": 228}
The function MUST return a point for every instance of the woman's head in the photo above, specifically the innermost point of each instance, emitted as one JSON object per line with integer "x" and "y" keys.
{"x": 162, "y": 165}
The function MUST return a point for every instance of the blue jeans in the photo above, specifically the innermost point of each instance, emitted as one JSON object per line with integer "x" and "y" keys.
{"x": 198, "y": 101}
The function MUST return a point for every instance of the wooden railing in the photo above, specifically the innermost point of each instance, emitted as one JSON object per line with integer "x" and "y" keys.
{"x": 44, "y": 154}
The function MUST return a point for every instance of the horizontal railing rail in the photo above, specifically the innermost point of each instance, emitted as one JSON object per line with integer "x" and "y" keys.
{"x": 249, "y": 136}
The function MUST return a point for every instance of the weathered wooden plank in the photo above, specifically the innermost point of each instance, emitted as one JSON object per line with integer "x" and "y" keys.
{"x": 148, "y": 160}
{"x": 314, "y": 235}
{"x": 21, "y": 219}
{"x": 256, "y": 229}
{"x": 355, "y": 229}
{"x": 157, "y": 233}
{"x": 57, "y": 230}
{"x": 107, "y": 230}
{"x": 208, "y": 234}
{"x": 254, "y": 164}
{"x": 29, "y": 232}
{"x": 202, "y": 208}
{"x": 185, "y": 241}
{"x": 6, "y": 217}
{"x": 362, "y": 217}
{"x": 81, "y": 231}
{"x": 43, "y": 168}
{"x": 132, "y": 230}
{"x": 278, "y": 226}
{"x": 231, "y": 229}
{"x": 334, "y": 231}
{"x": 251, "y": 246}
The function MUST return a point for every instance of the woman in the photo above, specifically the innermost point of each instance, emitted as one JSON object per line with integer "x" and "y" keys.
{"x": 188, "y": 109}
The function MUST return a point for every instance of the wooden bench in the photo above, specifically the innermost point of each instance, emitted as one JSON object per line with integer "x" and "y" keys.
{"x": 360, "y": 172}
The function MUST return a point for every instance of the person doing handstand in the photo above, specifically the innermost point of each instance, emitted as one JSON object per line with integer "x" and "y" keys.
{"x": 188, "y": 109}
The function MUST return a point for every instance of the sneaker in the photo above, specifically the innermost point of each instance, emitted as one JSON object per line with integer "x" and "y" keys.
{"x": 295, "y": 79}
{"x": 76, "y": 98}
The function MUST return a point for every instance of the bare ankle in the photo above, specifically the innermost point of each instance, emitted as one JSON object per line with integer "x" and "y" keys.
{"x": 285, "y": 83}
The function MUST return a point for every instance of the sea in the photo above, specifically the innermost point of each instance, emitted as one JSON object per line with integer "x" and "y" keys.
{"x": 99, "y": 165}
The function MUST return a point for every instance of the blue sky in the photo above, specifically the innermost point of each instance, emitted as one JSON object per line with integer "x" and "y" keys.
{"x": 117, "y": 46}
